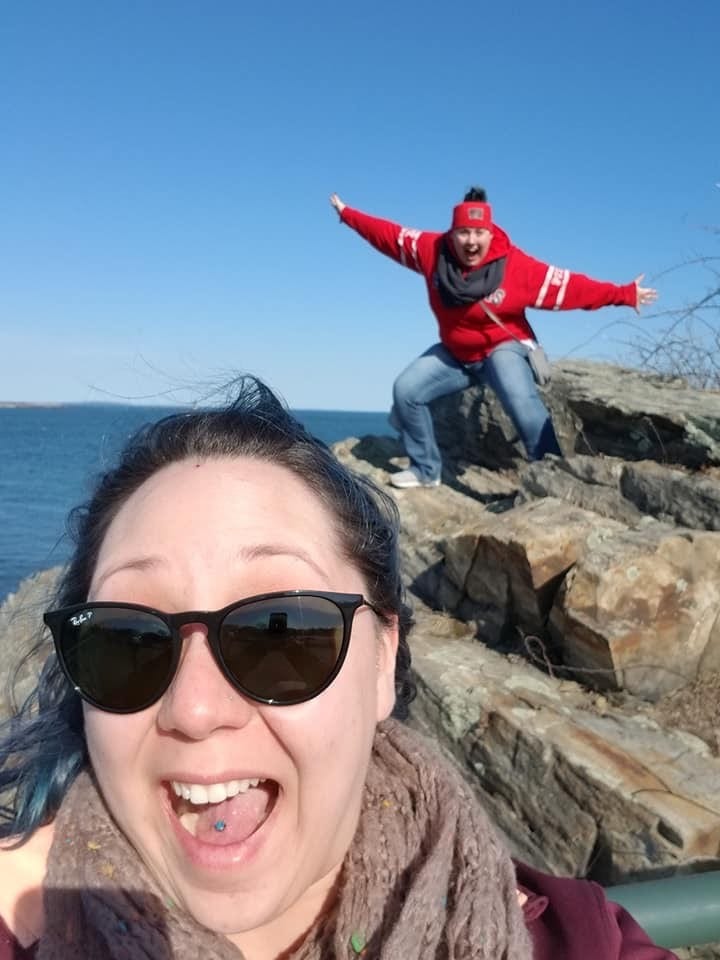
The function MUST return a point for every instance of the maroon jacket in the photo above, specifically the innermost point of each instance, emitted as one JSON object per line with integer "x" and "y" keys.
{"x": 568, "y": 920}
{"x": 573, "y": 920}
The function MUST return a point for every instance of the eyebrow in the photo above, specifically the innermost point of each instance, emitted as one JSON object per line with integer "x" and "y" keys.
{"x": 246, "y": 554}
{"x": 260, "y": 550}
{"x": 140, "y": 563}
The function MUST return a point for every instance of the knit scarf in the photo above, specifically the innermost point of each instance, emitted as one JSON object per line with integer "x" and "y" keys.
{"x": 426, "y": 877}
{"x": 457, "y": 287}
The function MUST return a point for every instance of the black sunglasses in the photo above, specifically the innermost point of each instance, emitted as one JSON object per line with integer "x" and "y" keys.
{"x": 276, "y": 648}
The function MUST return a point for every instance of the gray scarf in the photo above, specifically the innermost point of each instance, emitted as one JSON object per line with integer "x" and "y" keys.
{"x": 458, "y": 287}
{"x": 426, "y": 877}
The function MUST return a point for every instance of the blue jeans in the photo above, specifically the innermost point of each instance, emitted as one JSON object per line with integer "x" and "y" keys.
{"x": 437, "y": 373}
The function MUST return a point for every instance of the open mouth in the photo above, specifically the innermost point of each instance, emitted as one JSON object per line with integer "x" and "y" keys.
{"x": 226, "y": 812}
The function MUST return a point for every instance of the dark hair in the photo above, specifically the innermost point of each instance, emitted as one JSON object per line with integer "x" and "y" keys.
{"x": 43, "y": 747}
{"x": 478, "y": 194}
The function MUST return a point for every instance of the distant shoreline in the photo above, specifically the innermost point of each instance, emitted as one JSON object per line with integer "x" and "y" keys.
{"x": 12, "y": 404}
{"x": 55, "y": 404}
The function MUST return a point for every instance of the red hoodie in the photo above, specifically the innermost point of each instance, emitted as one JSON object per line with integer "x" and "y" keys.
{"x": 467, "y": 331}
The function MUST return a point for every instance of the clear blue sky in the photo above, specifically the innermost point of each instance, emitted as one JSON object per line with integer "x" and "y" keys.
{"x": 165, "y": 168}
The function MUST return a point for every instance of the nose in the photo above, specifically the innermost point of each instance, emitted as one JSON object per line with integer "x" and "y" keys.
{"x": 200, "y": 700}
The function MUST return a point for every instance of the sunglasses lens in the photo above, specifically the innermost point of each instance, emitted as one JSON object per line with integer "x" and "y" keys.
{"x": 284, "y": 649}
{"x": 120, "y": 659}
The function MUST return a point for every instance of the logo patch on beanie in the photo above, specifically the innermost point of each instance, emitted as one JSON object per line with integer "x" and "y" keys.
{"x": 476, "y": 213}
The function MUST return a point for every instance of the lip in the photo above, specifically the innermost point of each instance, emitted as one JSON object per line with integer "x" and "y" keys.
{"x": 208, "y": 857}
{"x": 192, "y": 776}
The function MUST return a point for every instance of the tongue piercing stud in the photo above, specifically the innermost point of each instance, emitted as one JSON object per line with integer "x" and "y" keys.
{"x": 220, "y": 825}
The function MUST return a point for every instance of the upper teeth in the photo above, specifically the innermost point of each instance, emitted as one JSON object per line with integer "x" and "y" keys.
{"x": 213, "y": 792}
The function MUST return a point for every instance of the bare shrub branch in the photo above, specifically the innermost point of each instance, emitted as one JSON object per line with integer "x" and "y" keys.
{"x": 688, "y": 345}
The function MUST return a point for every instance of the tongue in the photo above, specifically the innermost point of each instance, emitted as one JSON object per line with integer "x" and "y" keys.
{"x": 234, "y": 820}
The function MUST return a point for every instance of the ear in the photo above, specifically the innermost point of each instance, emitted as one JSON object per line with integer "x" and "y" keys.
{"x": 385, "y": 680}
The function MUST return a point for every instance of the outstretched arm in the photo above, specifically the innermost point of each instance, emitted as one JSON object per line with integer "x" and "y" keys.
{"x": 554, "y": 288}
{"x": 409, "y": 247}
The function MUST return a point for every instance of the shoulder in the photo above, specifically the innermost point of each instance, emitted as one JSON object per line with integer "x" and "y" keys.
{"x": 23, "y": 868}
{"x": 520, "y": 259}
{"x": 26, "y": 860}
{"x": 574, "y": 919}
{"x": 10, "y": 946}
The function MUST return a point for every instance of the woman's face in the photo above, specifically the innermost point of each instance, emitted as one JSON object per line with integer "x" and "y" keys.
{"x": 471, "y": 245}
{"x": 199, "y": 535}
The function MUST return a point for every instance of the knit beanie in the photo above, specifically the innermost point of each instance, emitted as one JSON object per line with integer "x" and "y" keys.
{"x": 471, "y": 214}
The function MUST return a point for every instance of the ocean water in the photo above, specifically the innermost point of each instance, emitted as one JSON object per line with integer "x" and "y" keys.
{"x": 50, "y": 455}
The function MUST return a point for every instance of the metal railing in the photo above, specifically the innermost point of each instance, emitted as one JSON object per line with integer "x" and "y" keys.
{"x": 681, "y": 911}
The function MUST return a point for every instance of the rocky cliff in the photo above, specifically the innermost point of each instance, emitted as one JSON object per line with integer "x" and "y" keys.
{"x": 568, "y": 638}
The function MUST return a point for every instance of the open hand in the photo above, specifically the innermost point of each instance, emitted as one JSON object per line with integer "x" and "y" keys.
{"x": 337, "y": 202}
{"x": 643, "y": 295}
